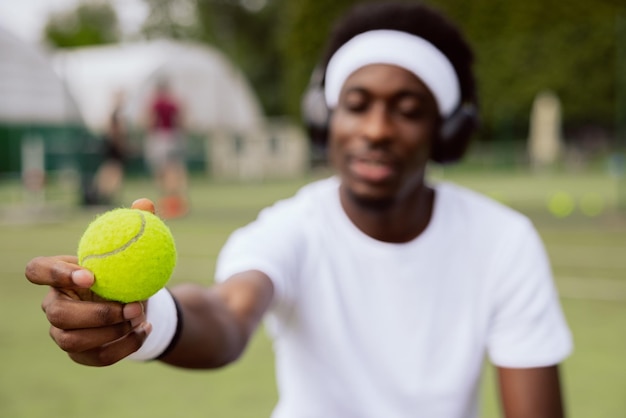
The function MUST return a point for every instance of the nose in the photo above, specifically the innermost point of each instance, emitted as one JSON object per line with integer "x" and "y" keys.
{"x": 377, "y": 124}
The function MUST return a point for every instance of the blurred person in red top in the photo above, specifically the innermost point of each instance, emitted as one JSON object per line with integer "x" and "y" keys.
{"x": 165, "y": 150}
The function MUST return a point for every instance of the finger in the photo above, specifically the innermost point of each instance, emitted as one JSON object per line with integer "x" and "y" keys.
{"x": 143, "y": 204}
{"x": 68, "y": 313}
{"x": 78, "y": 340}
{"x": 59, "y": 271}
{"x": 114, "y": 351}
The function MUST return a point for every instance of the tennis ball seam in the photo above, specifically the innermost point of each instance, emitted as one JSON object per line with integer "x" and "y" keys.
{"x": 130, "y": 242}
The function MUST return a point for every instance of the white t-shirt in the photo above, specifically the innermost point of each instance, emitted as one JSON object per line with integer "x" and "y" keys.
{"x": 363, "y": 328}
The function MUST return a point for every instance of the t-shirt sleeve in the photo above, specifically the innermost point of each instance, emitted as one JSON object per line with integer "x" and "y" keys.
{"x": 268, "y": 244}
{"x": 528, "y": 327}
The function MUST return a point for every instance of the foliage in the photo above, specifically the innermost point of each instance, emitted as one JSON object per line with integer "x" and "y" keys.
{"x": 523, "y": 48}
{"x": 248, "y": 32}
{"x": 305, "y": 34}
{"x": 90, "y": 23}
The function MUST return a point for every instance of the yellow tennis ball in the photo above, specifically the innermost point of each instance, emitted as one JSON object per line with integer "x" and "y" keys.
{"x": 561, "y": 204}
{"x": 131, "y": 253}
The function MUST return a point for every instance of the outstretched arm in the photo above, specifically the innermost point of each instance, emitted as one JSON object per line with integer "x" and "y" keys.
{"x": 532, "y": 392}
{"x": 218, "y": 321}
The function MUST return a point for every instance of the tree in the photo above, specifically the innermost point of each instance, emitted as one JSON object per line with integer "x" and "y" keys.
{"x": 90, "y": 23}
{"x": 525, "y": 47}
{"x": 305, "y": 32}
{"x": 249, "y": 31}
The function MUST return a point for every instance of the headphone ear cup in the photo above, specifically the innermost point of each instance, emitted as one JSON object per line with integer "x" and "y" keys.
{"x": 314, "y": 109}
{"x": 456, "y": 132}
{"x": 315, "y": 114}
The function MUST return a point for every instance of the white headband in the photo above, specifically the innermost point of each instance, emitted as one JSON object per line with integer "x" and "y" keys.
{"x": 402, "y": 49}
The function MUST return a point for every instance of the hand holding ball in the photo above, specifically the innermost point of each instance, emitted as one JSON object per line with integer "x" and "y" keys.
{"x": 131, "y": 253}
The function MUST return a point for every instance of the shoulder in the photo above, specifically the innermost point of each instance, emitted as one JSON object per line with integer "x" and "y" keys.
{"x": 307, "y": 201}
{"x": 481, "y": 216}
{"x": 291, "y": 216}
{"x": 472, "y": 203}
{"x": 277, "y": 239}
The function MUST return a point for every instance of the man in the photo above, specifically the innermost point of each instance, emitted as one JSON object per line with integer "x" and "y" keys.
{"x": 165, "y": 150}
{"x": 382, "y": 292}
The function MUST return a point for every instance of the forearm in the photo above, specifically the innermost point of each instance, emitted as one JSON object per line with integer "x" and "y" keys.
{"x": 534, "y": 392}
{"x": 217, "y": 322}
{"x": 210, "y": 336}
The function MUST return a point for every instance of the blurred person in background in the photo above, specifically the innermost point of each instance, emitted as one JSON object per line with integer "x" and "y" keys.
{"x": 108, "y": 180}
{"x": 382, "y": 290}
{"x": 165, "y": 150}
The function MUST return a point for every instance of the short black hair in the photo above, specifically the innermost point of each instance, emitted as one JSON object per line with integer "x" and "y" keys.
{"x": 415, "y": 18}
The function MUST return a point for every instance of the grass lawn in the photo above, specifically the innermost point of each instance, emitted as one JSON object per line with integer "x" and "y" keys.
{"x": 38, "y": 380}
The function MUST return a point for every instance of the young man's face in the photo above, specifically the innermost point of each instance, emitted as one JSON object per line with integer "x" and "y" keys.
{"x": 381, "y": 134}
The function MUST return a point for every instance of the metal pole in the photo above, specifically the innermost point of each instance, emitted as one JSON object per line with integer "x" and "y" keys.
{"x": 619, "y": 158}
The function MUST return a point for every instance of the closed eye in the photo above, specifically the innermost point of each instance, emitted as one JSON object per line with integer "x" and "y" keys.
{"x": 410, "y": 105}
{"x": 356, "y": 100}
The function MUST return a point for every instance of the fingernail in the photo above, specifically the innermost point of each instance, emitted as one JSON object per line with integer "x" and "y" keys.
{"x": 137, "y": 321}
{"x": 133, "y": 310}
{"x": 82, "y": 278}
{"x": 144, "y": 327}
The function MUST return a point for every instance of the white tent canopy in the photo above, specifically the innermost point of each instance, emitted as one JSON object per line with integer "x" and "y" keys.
{"x": 30, "y": 91}
{"x": 214, "y": 93}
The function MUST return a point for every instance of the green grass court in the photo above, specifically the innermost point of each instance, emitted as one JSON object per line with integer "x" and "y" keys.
{"x": 586, "y": 240}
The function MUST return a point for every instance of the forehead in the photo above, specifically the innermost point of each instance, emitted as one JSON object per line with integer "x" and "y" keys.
{"x": 386, "y": 78}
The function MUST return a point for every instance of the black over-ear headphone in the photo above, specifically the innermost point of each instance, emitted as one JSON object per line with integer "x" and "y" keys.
{"x": 452, "y": 143}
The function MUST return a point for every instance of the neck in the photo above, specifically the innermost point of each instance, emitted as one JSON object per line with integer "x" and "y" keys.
{"x": 397, "y": 221}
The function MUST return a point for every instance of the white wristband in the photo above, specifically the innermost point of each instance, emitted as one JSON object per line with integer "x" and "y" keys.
{"x": 163, "y": 315}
